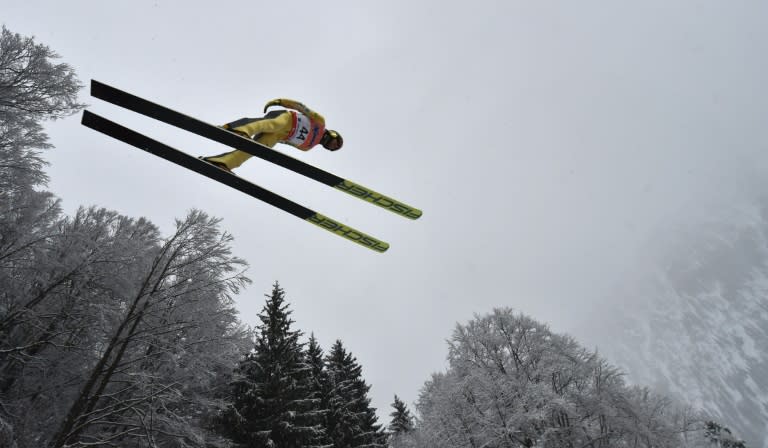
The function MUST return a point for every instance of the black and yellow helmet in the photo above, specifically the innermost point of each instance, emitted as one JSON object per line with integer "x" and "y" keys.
{"x": 332, "y": 140}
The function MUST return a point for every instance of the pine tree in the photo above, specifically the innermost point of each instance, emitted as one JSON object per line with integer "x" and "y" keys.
{"x": 272, "y": 397}
{"x": 402, "y": 421}
{"x": 352, "y": 421}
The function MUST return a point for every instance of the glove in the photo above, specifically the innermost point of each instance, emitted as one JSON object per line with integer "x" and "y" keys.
{"x": 276, "y": 102}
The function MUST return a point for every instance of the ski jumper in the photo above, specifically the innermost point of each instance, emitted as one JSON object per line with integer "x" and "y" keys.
{"x": 299, "y": 127}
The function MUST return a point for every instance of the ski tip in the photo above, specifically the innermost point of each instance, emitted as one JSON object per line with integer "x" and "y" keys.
{"x": 414, "y": 214}
{"x": 348, "y": 233}
{"x": 381, "y": 247}
{"x": 378, "y": 199}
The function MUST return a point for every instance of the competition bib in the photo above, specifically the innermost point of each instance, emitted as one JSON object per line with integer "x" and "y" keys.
{"x": 304, "y": 133}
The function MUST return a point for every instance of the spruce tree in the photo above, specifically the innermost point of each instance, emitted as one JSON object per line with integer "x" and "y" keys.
{"x": 315, "y": 360}
{"x": 402, "y": 421}
{"x": 272, "y": 396}
{"x": 351, "y": 422}
{"x": 319, "y": 389}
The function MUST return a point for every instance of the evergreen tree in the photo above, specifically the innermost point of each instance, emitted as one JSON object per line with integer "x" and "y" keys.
{"x": 273, "y": 403}
{"x": 402, "y": 421}
{"x": 351, "y": 422}
{"x": 316, "y": 365}
{"x": 319, "y": 387}
{"x": 372, "y": 435}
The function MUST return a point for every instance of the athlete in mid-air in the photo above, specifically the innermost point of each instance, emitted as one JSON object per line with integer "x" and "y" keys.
{"x": 296, "y": 125}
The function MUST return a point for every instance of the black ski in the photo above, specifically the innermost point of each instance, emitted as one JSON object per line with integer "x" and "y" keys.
{"x": 221, "y": 135}
{"x": 180, "y": 158}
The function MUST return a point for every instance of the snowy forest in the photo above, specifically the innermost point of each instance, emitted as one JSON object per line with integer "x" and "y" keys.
{"x": 112, "y": 334}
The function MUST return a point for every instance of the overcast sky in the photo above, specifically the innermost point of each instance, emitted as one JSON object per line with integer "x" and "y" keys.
{"x": 547, "y": 143}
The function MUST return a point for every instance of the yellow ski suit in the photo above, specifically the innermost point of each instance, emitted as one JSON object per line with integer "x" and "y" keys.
{"x": 278, "y": 126}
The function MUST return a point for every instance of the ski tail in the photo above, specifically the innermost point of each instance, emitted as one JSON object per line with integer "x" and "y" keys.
{"x": 231, "y": 139}
{"x": 185, "y": 160}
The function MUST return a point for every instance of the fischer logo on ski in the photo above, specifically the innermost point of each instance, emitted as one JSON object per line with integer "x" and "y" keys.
{"x": 378, "y": 199}
{"x": 348, "y": 233}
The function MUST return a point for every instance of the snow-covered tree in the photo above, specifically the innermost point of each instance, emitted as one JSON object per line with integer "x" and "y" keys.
{"x": 166, "y": 330}
{"x": 514, "y": 383}
{"x": 319, "y": 385}
{"x": 317, "y": 366}
{"x": 400, "y": 430}
{"x": 352, "y": 422}
{"x": 110, "y": 334}
{"x": 402, "y": 420}
{"x": 274, "y": 399}
{"x": 32, "y": 88}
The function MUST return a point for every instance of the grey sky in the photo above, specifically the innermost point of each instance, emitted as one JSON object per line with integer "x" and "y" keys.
{"x": 546, "y": 142}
